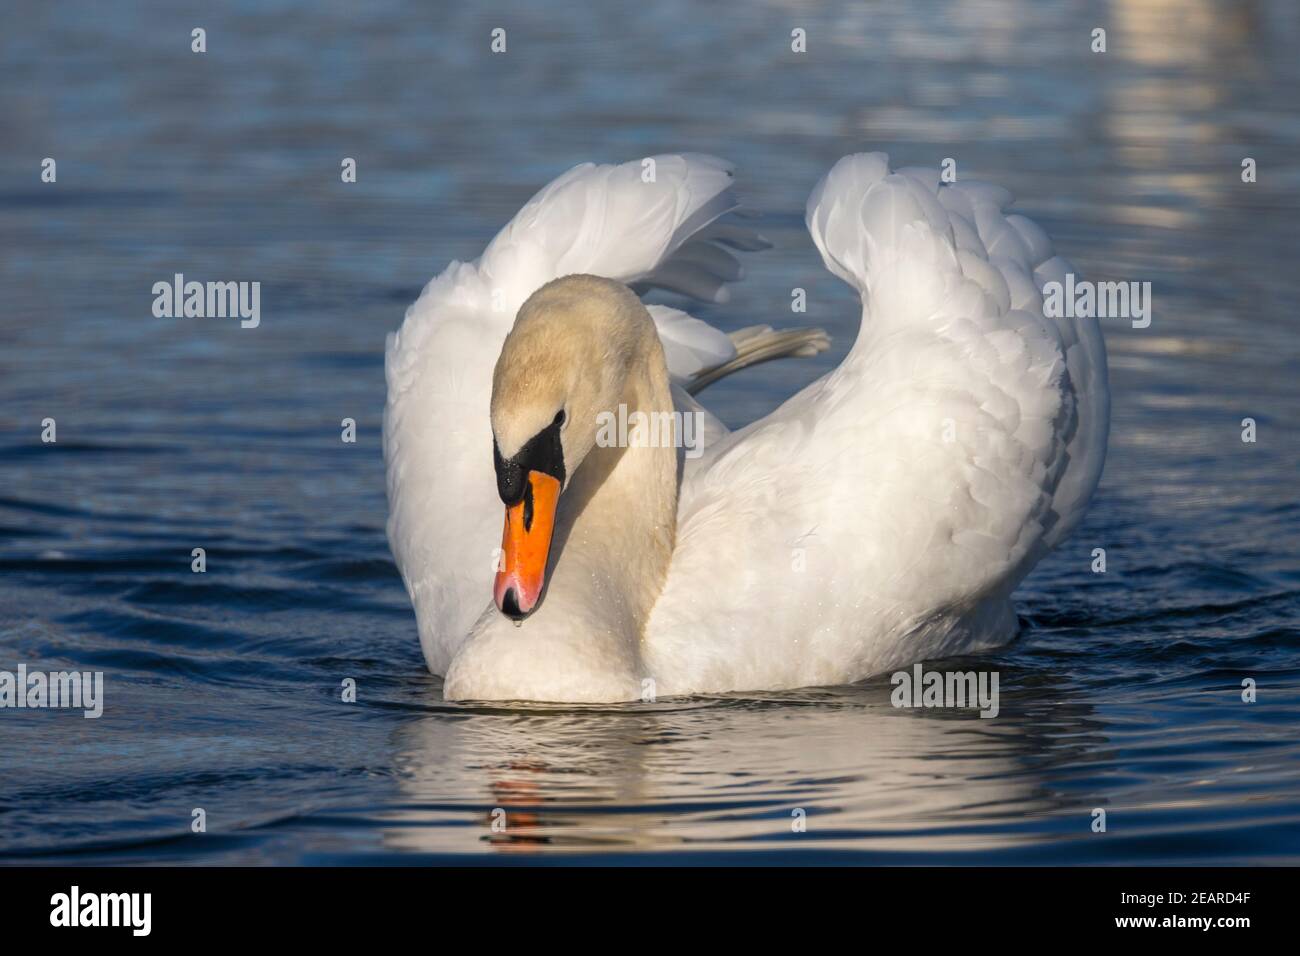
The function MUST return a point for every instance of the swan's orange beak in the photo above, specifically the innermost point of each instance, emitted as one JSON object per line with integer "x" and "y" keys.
{"x": 525, "y": 546}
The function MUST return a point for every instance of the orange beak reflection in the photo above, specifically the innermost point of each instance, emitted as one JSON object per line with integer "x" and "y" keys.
{"x": 525, "y": 546}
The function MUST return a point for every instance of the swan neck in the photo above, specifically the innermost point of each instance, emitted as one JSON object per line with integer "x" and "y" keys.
{"x": 622, "y": 507}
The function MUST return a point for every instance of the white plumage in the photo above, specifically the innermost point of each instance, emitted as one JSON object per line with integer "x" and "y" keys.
{"x": 882, "y": 515}
{"x": 444, "y": 515}
{"x": 885, "y": 513}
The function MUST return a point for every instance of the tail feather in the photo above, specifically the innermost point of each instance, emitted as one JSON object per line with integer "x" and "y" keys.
{"x": 761, "y": 343}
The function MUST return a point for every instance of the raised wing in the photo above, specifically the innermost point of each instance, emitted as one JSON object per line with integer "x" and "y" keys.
{"x": 885, "y": 513}
{"x": 650, "y": 222}
{"x": 948, "y": 261}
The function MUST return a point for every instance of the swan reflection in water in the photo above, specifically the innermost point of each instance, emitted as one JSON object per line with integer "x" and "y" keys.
{"x": 835, "y": 768}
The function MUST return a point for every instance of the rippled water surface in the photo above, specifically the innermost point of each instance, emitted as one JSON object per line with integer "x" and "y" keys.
{"x": 1124, "y": 690}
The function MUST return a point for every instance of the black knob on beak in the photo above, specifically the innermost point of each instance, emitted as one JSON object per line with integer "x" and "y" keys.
{"x": 510, "y": 606}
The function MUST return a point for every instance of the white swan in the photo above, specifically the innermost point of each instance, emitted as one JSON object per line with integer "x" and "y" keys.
{"x": 881, "y": 516}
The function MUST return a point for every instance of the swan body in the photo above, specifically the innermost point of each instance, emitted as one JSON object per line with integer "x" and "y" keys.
{"x": 881, "y": 516}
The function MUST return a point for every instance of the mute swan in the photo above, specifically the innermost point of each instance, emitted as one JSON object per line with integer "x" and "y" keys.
{"x": 881, "y": 516}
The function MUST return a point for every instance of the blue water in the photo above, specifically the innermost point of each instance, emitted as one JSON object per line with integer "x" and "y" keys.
{"x": 223, "y": 689}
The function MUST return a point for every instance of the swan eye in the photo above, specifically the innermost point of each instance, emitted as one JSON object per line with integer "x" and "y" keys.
{"x": 559, "y": 418}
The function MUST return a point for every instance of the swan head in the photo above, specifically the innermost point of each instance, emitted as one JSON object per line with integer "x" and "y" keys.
{"x": 563, "y": 363}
